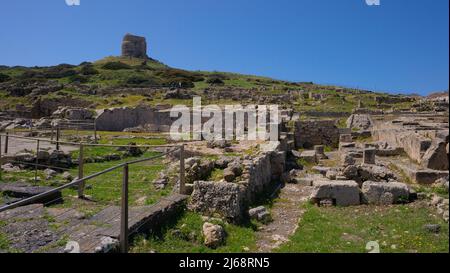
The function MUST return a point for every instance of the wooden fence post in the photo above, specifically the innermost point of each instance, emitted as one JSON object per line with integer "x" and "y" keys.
{"x": 37, "y": 161}
{"x": 6, "y": 143}
{"x": 95, "y": 132}
{"x": 182, "y": 171}
{"x": 57, "y": 137}
{"x": 124, "y": 212}
{"x": 1, "y": 159}
{"x": 81, "y": 185}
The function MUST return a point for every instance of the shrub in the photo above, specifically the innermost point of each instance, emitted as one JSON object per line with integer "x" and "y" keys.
{"x": 29, "y": 74}
{"x": 115, "y": 66}
{"x": 178, "y": 83}
{"x": 59, "y": 71}
{"x": 141, "y": 81}
{"x": 88, "y": 70}
{"x": 79, "y": 78}
{"x": 177, "y": 74}
{"x": 215, "y": 81}
{"x": 4, "y": 77}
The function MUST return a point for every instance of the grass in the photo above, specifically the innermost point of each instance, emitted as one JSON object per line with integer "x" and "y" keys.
{"x": 185, "y": 236}
{"x": 4, "y": 242}
{"x": 348, "y": 230}
{"x": 216, "y": 175}
{"x": 107, "y": 187}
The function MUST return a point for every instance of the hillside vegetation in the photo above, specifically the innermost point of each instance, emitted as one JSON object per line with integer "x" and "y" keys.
{"x": 120, "y": 76}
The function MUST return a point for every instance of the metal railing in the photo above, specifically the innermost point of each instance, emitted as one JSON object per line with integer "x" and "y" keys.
{"x": 80, "y": 181}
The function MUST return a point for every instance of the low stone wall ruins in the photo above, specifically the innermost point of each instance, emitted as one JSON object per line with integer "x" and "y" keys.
{"x": 426, "y": 144}
{"x": 119, "y": 119}
{"x": 231, "y": 200}
{"x": 316, "y": 132}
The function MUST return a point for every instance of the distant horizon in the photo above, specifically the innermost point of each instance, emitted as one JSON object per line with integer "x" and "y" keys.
{"x": 399, "y": 47}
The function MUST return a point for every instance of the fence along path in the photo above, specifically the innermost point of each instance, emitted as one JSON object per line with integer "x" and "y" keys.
{"x": 113, "y": 221}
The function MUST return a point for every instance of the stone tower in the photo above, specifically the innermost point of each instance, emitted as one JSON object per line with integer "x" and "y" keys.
{"x": 134, "y": 46}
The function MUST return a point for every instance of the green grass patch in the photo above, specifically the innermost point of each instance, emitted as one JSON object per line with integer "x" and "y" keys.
{"x": 348, "y": 230}
{"x": 185, "y": 236}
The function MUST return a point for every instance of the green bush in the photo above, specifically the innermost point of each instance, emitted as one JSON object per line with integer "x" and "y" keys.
{"x": 177, "y": 74}
{"x": 115, "y": 66}
{"x": 59, "y": 71}
{"x": 215, "y": 81}
{"x": 4, "y": 77}
{"x": 79, "y": 78}
{"x": 178, "y": 83}
{"x": 88, "y": 70}
{"x": 142, "y": 81}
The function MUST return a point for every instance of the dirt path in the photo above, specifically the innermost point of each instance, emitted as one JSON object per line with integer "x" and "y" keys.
{"x": 16, "y": 145}
{"x": 286, "y": 213}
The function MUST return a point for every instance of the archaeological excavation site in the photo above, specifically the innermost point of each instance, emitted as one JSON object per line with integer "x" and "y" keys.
{"x": 127, "y": 154}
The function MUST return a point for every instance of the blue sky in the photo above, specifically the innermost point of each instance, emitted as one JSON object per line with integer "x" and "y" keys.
{"x": 399, "y": 46}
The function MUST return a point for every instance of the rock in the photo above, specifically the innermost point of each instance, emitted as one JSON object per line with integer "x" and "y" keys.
{"x": 347, "y": 160}
{"x": 436, "y": 157}
{"x": 386, "y": 199}
{"x": 381, "y": 193}
{"x": 443, "y": 182}
{"x": 326, "y": 203}
{"x": 72, "y": 113}
{"x": 321, "y": 170}
{"x": 49, "y": 174}
{"x": 43, "y": 156}
{"x": 235, "y": 167}
{"x": 345, "y": 138}
{"x": 309, "y": 156}
{"x": 253, "y": 213}
{"x": 331, "y": 174}
{"x": 132, "y": 150}
{"x": 369, "y": 156}
{"x": 214, "y": 235}
{"x": 436, "y": 200}
{"x": 365, "y": 172}
{"x": 320, "y": 152}
{"x": 229, "y": 175}
{"x": 343, "y": 193}
{"x": 10, "y": 168}
{"x": 221, "y": 198}
{"x": 24, "y": 157}
{"x": 134, "y": 46}
{"x": 432, "y": 228}
{"x": 360, "y": 122}
{"x": 107, "y": 244}
{"x": 296, "y": 154}
{"x": 223, "y": 162}
{"x": 264, "y": 217}
{"x": 60, "y": 159}
{"x": 222, "y": 144}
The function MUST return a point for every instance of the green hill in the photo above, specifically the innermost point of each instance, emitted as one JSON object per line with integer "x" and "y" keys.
{"x": 121, "y": 81}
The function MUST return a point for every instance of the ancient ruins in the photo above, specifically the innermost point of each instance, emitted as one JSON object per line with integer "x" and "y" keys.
{"x": 369, "y": 157}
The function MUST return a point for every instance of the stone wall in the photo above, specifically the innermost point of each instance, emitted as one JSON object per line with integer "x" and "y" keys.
{"x": 119, "y": 119}
{"x": 424, "y": 141}
{"x": 232, "y": 200}
{"x": 316, "y": 132}
{"x": 46, "y": 107}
